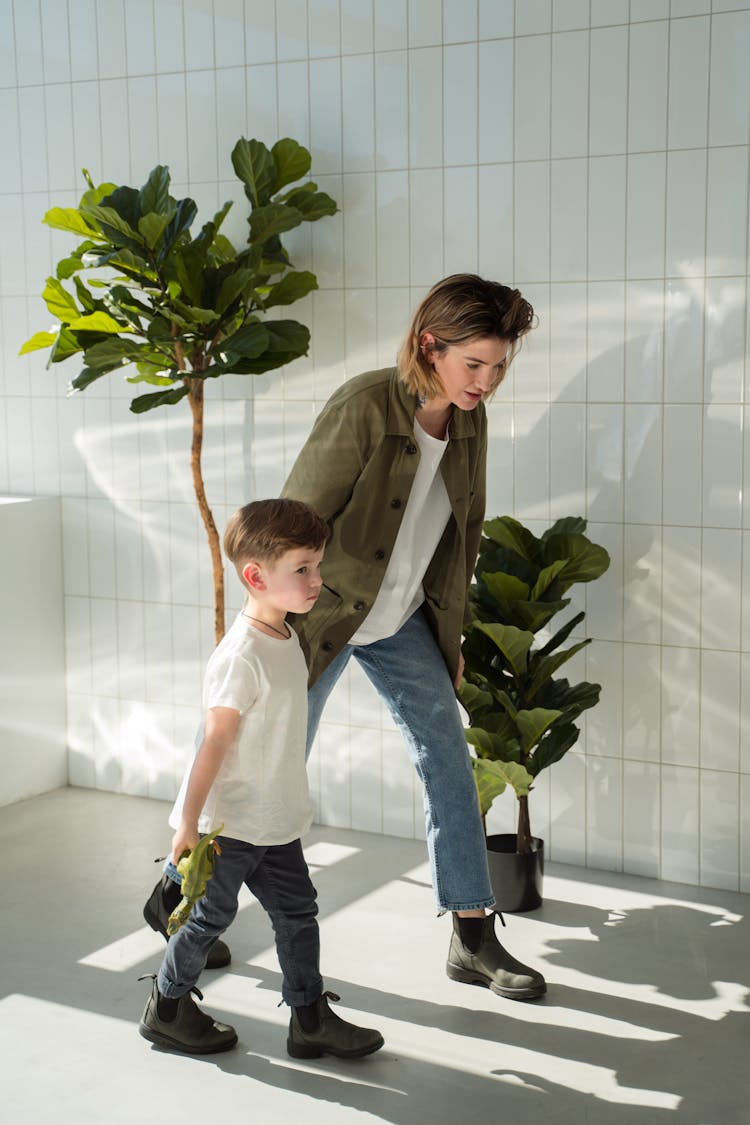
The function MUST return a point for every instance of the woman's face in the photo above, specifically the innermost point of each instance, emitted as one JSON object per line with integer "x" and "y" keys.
{"x": 467, "y": 371}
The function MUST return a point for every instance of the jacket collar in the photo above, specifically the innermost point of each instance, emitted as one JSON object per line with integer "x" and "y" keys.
{"x": 402, "y": 405}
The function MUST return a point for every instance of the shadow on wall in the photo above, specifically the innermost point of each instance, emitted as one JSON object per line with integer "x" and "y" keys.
{"x": 661, "y": 461}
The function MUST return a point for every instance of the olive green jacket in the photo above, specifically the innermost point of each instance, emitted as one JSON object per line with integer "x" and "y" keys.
{"x": 356, "y": 469}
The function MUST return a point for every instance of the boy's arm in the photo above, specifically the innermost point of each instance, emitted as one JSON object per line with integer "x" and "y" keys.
{"x": 219, "y": 734}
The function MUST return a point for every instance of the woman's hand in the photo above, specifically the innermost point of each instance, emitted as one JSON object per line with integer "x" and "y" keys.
{"x": 460, "y": 672}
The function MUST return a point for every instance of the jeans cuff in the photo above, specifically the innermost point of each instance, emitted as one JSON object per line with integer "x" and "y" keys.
{"x": 172, "y": 873}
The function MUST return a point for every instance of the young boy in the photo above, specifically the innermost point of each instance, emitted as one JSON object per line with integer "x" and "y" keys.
{"x": 249, "y": 775}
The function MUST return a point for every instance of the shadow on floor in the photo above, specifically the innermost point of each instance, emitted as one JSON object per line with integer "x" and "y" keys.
{"x": 645, "y": 1021}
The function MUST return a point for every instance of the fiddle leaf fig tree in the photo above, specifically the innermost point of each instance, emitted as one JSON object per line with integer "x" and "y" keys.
{"x": 171, "y": 309}
{"x": 522, "y": 718}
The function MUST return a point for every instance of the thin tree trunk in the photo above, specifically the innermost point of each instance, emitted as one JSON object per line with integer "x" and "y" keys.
{"x": 195, "y": 397}
{"x": 523, "y": 839}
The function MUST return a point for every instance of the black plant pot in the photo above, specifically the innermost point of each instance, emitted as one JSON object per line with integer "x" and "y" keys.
{"x": 516, "y": 879}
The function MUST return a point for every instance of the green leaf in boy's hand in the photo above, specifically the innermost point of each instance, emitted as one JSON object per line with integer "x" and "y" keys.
{"x": 196, "y": 868}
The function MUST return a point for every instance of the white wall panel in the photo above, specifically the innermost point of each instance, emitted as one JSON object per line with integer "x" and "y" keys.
{"x": 391, "y": 21}
{"x": 532, "y": 74}
{"x": 495, "y": 97}
{"x": 647, "y": 86}
{"x": 729, "y": 91}
{"x": 569, "y": 92}
{"x": 688, "y": 82}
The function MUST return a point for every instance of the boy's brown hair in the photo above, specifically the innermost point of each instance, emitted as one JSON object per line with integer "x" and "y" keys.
{"x": 266, "y": 529}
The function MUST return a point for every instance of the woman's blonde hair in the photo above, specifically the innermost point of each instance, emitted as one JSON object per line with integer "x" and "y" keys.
{"x": 459, "y": 308}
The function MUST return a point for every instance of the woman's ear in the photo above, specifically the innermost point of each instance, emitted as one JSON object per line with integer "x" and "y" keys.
{"x": 427, "y": 345}
{"x": 253, "y": 575}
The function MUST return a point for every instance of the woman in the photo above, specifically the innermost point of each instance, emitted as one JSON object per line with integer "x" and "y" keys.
{"x": 396, "y": 464}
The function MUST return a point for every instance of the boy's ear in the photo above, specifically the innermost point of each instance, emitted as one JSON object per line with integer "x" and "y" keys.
{"x": 253, "y": 575}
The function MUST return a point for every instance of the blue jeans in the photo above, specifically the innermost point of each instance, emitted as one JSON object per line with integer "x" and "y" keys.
{"x": 278, "y": 877}
{"x": 410, "y": 675}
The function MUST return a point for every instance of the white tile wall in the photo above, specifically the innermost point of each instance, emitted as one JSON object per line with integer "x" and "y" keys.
{"x": 596, "y": 155}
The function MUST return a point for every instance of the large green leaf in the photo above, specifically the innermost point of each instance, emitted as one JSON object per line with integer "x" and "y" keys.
{"x": 71, "y": 265}
{"x": 113, "y": 352}
{"x": 544, "y": 667}
{"x": 534, "y": 615}
{"x": 546, "y": 577}
{"x": 247, "y": 343}
{"x": 568, "y": 525}
{"x": 491, "y": 779}
{"x": 553, "y": 747}
{"x": 96, "y": 193}
{"x": 580, "y": 698}
{"x": 562, "y": 634}
{"x": 178, "y": 225}
{"x": 154, "y": 196}
{"x": 87, "y": 376}
{"x": 287, "y": 336}
{"x": 292, "y": 162}
{"x": 124, "y": 258}
{"x": 69, "y": 219}
{"x": 86, "y": 298}
{"x": 495, "y": 559}
{"x": 189, "y": 262}
{"x": 59, "y": 301}
{"x": 112, "y": 225}
{"x": 152, "y": 227}
{"x": 505, "y": 588}
{"x": 126, "y": 201}
{"x": 255, "y": 166}
{"x": 312, "y": 205}
{"x": 38, "y": 341}
{"x": 292, "y": 287}
{"x": 513, "y": 643}
{"x": 533, "y": 724}
{"x": 143, "y": 403}
{"x": 492, "y": 746}
{"x": 509, "y": 533}
{"x": 153, "y": 374}
{"x": 96, "y": 322}
{"x": 66, "y": 345}
{"x": 274, "y": 218}
{"x": 571, "y": 700}
{"x": 585, "y": 560}
{"x": 237, "y": 284}
{"x": 473, "y": 698}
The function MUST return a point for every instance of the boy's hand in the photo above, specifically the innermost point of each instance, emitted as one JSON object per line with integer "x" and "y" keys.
{"x": 184, "y": 840}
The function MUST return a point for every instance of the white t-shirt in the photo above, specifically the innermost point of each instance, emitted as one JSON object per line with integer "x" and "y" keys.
{"x": 260, "y": 793}
{"x": 423, "y": 522}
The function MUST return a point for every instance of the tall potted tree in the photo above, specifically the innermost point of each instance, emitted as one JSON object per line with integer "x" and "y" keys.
{"x": 522, "y": 717}
{"x": 176, "y": 310}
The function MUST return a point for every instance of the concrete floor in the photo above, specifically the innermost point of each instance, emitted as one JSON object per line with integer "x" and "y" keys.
{"x": 645, "y": 1022}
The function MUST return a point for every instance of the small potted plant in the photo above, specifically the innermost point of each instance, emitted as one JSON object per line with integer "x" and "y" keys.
{"x": 522, "y": 717}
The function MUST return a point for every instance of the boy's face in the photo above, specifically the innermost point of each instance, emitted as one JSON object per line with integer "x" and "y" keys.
{"x": 292, "y": 583}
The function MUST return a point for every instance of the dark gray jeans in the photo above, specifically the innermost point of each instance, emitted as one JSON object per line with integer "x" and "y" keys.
{"x": 278, "y": 877}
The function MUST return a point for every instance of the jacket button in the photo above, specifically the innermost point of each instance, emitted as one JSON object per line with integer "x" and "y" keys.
{"x": 359, "y": 606}
{"x": 327, "y": 646}
{"x": 396, "y": 503}
{"x": 411, "y": 448}
{"x": 379, "y": 554}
